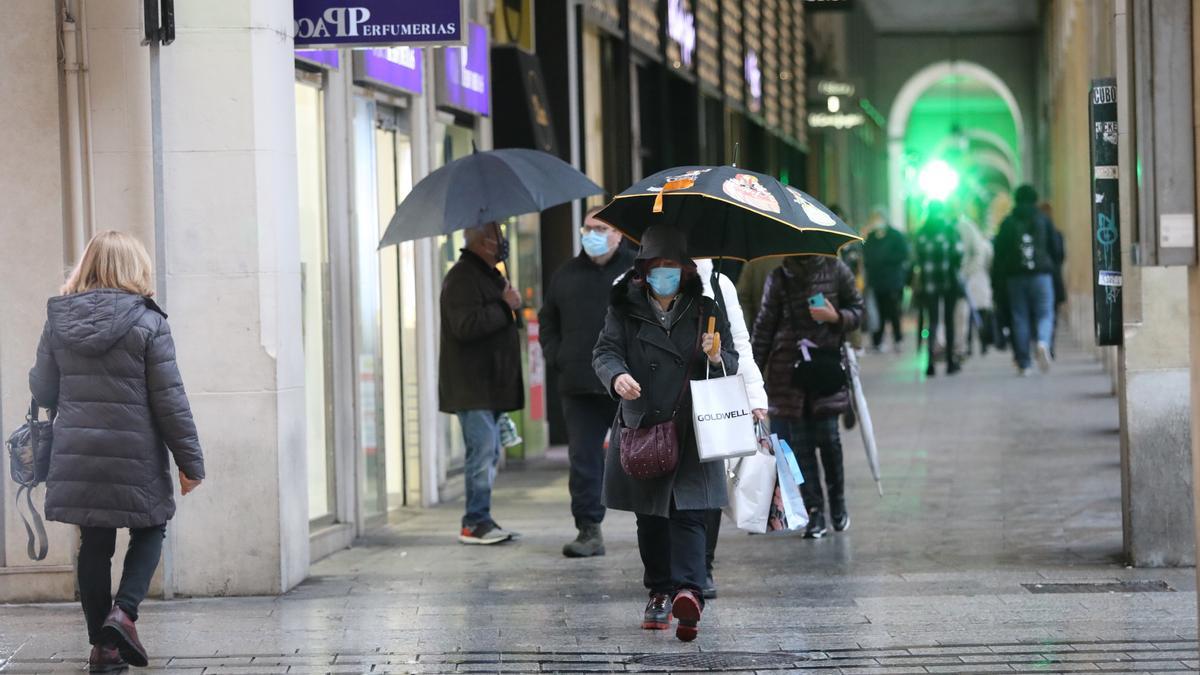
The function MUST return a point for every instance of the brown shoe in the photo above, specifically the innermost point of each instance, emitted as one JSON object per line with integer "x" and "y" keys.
{"x": 686, "y": 609}
{"x": 119, "y": 630}
{"x": 106, "y": 659}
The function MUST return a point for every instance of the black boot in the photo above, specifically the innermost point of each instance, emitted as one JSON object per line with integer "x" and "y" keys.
{"x": 816, "y": 525}
{"x": 841, "y": 517}
{"x": 590, "y": 542}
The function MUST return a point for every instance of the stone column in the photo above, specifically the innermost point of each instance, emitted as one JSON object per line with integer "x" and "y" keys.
{"x": 233, "y": 280}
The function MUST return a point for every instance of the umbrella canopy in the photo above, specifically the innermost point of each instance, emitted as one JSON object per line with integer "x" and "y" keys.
{"x": 865, "y": 425}
{"x": 485, "y": 187}
{"x": 729, "y": 212}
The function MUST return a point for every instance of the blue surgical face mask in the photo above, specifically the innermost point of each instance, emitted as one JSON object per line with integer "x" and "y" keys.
{"x": 594, "y": 243}
{"x": 664, "y": 280}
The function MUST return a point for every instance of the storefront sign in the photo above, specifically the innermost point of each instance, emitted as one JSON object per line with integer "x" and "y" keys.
{"x": 681, "y": 30}
{"x": 753, "y": 81}
{"x": 465, "y": 78}
{"x": 838, "y": 120}
{"x": 537, "y": 370}
{"x": 394, "y": 67}
{"x": 1106, "y": 224}
{"x": 320, "y": 57}
{"x": 834, "y": 88}
{"x": 362, "y": 23}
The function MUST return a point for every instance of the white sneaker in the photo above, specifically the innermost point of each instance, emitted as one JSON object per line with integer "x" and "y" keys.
{"x": 1043, "y": 357}
{"x": 1024, "y": 372}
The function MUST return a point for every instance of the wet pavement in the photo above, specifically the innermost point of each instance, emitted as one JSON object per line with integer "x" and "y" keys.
{"x": 995, "y": 548}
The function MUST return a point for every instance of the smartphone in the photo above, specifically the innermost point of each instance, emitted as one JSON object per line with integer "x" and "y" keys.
{"x": 817, "y": 300}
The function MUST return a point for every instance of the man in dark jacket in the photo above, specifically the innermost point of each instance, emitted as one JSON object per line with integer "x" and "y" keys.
{"x": 939, "y": 255}
{"x": 479, "y": 370}
{"x": 571, "y": 319}
{"x": 1026, "y": 251}
{"x": 886, "y": 251}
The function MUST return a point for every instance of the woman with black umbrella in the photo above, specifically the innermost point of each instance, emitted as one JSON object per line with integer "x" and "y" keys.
{"x": 653, "y": 343}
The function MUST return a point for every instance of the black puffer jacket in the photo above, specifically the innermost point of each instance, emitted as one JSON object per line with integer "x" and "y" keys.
{"x": 106, "y": 361}
{"x": 785, "y": 319}
{"x": 573, "y": 315}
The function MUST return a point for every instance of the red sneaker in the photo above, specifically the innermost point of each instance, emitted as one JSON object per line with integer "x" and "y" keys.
{"x": 687, "y": 609}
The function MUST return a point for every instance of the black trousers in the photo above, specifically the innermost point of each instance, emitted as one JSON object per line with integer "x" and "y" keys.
{"x": 945, "y": 303}
{"x": 673, "y": 550}
{"x": 888, "y": 303}
{"x": 712, "y": 533}
{"x": 588, "y": 418}
{"x": 810, "y": 439}
{"x": 94, "y": 572}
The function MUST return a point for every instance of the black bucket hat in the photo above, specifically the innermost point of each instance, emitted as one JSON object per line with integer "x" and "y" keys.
{"x": 664, "y": 241}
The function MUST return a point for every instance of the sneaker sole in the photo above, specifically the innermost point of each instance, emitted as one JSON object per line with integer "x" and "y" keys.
{"x": 658, "y": 625}
{"x": 845, "y": 527}
{"x": 572, "y": 554}
{"x": 687, "y": 611}
{"x": 475, "y": 541}
{"x": 816, "y": 535}
{"x": 125, "y": 647}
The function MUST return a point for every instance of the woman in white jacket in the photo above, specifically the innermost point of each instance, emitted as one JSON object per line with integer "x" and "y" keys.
{"x": 755, "y": 391}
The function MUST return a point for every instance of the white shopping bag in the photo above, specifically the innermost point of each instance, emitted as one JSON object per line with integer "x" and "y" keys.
{"x": 751, "y": 486}
{"x": 722, "y": 420}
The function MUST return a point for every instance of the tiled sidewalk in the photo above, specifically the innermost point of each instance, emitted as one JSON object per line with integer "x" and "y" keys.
{"x": 993, "y": 485}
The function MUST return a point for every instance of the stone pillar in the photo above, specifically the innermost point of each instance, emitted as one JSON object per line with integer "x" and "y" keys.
{"x": 233, "y": 282}
{"x": 1152, "y": 374}
{"x": 31, "y": 265}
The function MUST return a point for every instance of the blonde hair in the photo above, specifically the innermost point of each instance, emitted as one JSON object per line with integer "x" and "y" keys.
{"x": 112, "y": 260}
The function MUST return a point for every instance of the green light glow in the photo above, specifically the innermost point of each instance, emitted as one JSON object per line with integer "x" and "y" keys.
{"x": 937, "y": 180}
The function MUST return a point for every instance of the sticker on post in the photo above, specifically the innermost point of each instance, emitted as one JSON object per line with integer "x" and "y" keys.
{"x": 1176, "y": 230}
{"x": 1110, "y": 279}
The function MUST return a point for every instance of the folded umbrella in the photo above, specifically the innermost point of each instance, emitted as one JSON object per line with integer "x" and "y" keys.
{"x": 865, "y": 425}
{"x": 729, "y": 212}
{"x": 485, "y": 187}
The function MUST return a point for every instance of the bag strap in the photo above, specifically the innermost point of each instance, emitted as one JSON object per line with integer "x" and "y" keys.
{"x": 35, "y": 531}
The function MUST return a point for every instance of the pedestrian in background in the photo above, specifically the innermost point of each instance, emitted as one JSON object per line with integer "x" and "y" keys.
{"x": 939, "y": 254}
{"x": 652, "y": 344}
{"x": 571, "y": 318}
{"x": 106, "y": 364}
{"x": 1058, "y": 251}
{"x": 731, "y": 308}
{"x": 750, "y": 285}
{"x": 886, "y": 262}
{"x": 1024, "y": 262}
{"x": 809, "y": 306}
{"x": 854, "y": 256}
{"x": 977, "y": 285}
{"x": 479, "y": 369}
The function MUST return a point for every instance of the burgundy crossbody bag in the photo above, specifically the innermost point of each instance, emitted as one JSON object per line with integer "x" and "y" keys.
{"x": 653, "y": 452}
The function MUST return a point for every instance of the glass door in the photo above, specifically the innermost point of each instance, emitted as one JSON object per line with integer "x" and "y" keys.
{"x": 316, "y": 324}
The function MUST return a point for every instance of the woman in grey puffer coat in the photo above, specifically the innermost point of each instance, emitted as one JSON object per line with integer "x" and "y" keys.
{"x": 106, "y": 364}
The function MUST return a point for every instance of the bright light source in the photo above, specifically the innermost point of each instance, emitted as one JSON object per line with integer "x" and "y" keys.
{"x": 834, "y": 104}
{"x": 937, "y": 180}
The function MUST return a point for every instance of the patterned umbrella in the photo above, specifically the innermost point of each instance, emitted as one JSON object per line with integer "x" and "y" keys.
{"x": 728, "y": 212}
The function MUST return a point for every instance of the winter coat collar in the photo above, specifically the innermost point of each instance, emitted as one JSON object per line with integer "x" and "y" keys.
{"x": 634, "y": 301}
{"x": 474, "y": 259}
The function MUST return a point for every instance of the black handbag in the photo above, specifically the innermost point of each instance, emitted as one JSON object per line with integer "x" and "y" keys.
{"x": 29, "y": 463}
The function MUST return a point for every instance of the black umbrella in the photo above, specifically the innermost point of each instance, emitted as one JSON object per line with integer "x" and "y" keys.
{"x": 485, "y": 187}
{"x": 729, "y": 212}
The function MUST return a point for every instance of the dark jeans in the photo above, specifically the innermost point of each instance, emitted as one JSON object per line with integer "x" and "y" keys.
{"x": 588, "y": 418}
{"x": 673, "y": 550}
{"x": 94, "y": 570}
{"x": 945, "y": 303}
{"x": 888, "y": 303}
{"x": 712, "y": 533}
{"x": 809, "y": 438}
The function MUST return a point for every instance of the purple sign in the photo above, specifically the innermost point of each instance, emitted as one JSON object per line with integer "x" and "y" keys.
{"x": 323, "y": 57}
{"x": 754, "y": 80}
{"x": 394, "y": 67}
{"x": 466, "y": 80}
{"x": 363, "y": 23}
